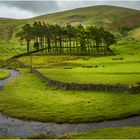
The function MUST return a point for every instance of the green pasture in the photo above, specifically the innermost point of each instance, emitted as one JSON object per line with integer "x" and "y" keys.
{"x": 4, "y": 74}
{"x": 123, "y": 68}
{"x": 8, "y": 50}
{"x": 127, "y": 51}
{"x": 116, "y": 74}
{"x": 30, "y": 98}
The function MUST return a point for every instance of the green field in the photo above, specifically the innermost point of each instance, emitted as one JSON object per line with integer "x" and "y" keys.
{"x": 4, "y": 74}
{"x": 123, "y": 68}
{"x": 110, "y": 74}
{"x": 45, "y": 103}
{"x": 28, "y": 98}
{"x": 7, "y": 50}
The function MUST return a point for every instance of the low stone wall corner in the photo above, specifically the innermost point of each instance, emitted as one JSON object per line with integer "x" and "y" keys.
{"x": 93, "y": 87}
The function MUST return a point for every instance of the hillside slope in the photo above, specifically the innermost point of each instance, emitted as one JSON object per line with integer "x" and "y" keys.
{"x": 106, "y": 16}
{"x": 135, "y": 33}
{"x": 110, "y": 17}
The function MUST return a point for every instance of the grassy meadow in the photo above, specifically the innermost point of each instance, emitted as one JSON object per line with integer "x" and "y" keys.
{"x": 7, "y": 50}
{"x": 86, "y": 75}
{"x": 27, "y": 97}
{"x": 4, "y": 74}
{"x": 33, "y": 99}
{"x": 123, "y": 68}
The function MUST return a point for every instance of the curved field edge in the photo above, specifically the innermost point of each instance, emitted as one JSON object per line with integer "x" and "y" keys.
{"x": 31, "y": 99}
{"x": 4, "y": 74}
{"x": 89, "y": 75}
{"x": 107, "y": 133}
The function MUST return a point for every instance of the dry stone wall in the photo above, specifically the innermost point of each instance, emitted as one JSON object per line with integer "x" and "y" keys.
{"x": 94, "y": 87}
{"x": 78, "y": 86}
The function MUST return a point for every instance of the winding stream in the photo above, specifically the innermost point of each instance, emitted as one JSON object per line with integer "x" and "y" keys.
{"x": 13, "y": 73}
{"x": 15, "y": 127}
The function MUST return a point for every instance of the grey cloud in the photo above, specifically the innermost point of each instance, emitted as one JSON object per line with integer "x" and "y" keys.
{"x": 33, "y": 6}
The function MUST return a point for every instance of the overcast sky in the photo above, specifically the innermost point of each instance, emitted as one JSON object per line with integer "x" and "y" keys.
{"x": 26, "y": 9}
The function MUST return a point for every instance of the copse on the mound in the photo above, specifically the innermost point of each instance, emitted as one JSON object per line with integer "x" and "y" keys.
{"x": 61, "y": 39}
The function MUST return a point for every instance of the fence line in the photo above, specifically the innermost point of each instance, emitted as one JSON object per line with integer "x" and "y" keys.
{"x": 82, "y": 86}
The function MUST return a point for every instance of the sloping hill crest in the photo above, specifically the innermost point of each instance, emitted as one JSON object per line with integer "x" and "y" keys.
{"x": 110, "y": 17}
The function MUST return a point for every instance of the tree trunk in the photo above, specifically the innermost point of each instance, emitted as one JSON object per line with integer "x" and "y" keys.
{"x": 49, "y": 47}
{"x": 70, "y": 43}
{"x": 28, "y": 46}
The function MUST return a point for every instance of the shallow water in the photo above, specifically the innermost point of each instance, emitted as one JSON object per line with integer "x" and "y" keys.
{"x": 16, "y": 127}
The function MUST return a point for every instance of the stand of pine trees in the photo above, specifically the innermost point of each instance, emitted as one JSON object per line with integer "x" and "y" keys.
{"x": 55, "y": 39}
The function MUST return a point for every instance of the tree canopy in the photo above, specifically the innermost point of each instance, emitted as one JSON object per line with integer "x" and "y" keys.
{"x": 67, "y": 39}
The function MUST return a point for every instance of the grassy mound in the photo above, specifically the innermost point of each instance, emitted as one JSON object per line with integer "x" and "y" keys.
{"x": 4, "y": 74}
{"x": 32, "y": 99}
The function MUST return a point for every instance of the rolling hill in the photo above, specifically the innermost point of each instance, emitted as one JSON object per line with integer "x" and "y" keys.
{"x": 110, "y": 17}
{"x": 135, "y": 33}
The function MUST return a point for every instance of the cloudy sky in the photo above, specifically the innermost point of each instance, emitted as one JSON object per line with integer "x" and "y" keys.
{"x": 26, "y": 9}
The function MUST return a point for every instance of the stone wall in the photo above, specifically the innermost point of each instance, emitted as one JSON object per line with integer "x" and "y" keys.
{"x": 94, "y": 87}
{"x": 77, "y": 86}
{"x": 26, "y": 54}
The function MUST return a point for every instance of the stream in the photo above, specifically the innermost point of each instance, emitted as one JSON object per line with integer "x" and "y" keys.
{"x": 15, "y": 127}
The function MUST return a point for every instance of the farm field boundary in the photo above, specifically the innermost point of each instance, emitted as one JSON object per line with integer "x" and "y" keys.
{"x": 78, "y": 86}
{"x": 95, "y": 87}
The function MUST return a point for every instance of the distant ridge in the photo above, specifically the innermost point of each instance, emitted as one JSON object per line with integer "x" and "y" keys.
{"x": 110, "y": 17}
{"x": 3, "y": 18}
